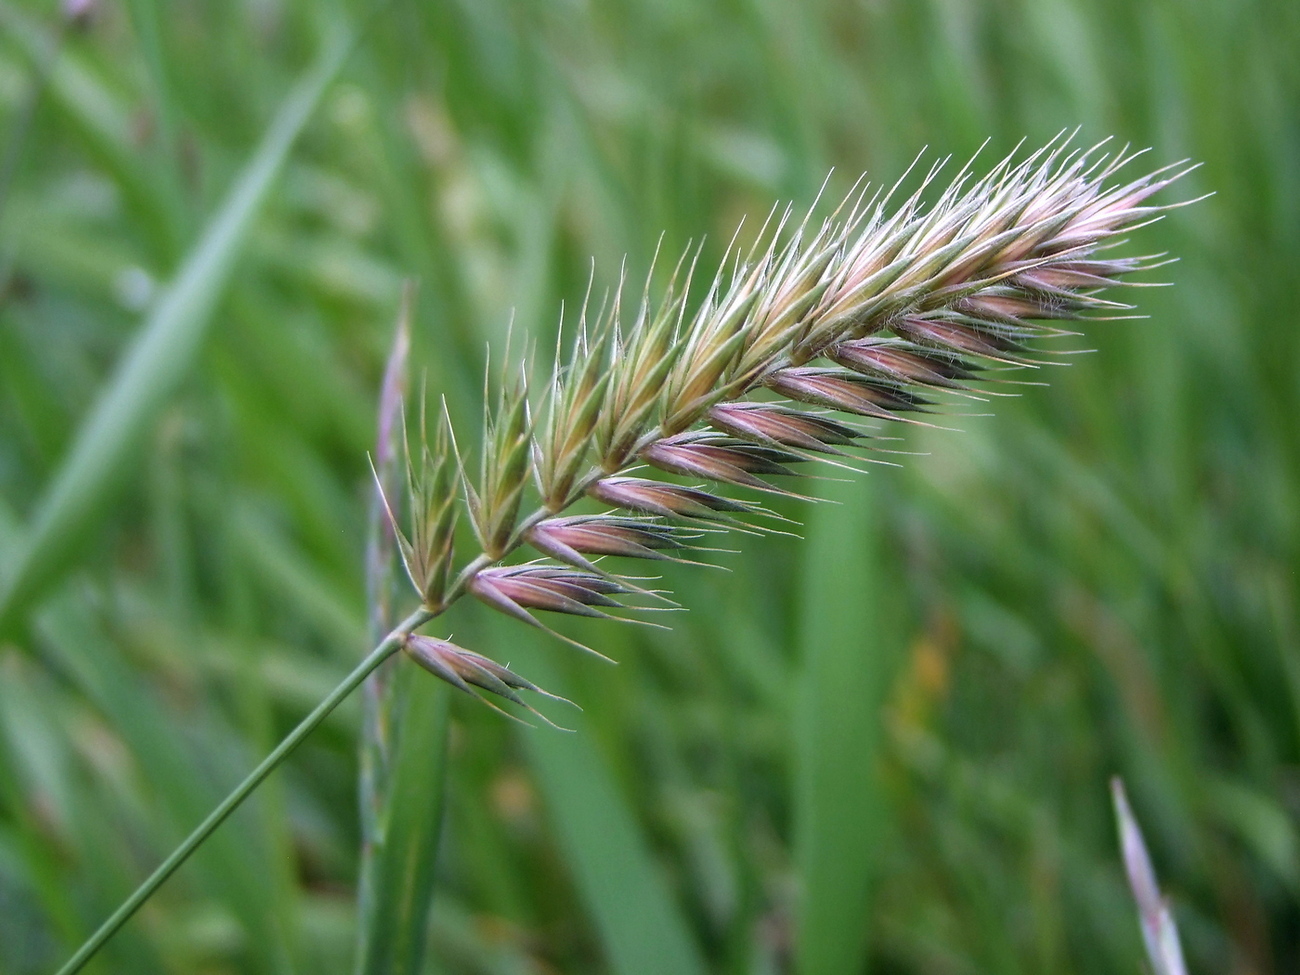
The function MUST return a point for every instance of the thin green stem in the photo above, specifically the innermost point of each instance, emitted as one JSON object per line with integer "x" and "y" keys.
{"x": 386, "y": 648}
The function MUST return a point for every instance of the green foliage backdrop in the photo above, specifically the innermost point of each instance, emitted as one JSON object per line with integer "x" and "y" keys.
{"x": 883, "y": 747}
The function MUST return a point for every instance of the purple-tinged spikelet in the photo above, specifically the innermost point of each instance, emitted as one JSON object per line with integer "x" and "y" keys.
{"x": 466, "y": 670}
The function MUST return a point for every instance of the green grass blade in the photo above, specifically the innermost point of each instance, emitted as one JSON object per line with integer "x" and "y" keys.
{"x": 234, "y": 861}
{"x": 404, "y": 739}
{"x": 218, "y": 815}
{"x": 641, "y": 926}
{"x": 146, "y": 20}
{"x": 159, "y": 358}
{"x": 393, "y": 928}
{"x": 92, "y": 109}
{"x": 237, "y": 863}
{"x": 839, "y": 809}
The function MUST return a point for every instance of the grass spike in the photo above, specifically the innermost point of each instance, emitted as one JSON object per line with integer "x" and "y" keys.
{"x": 862, "y": 315}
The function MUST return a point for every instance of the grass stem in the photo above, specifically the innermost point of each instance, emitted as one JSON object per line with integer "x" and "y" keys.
{"x": 386, "y": 648}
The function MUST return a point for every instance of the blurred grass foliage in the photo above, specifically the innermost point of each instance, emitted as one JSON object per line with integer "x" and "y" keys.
{"x": 1102, "y": 578}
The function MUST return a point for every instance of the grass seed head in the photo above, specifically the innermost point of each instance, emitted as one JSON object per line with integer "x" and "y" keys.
{"x": 884, "y": 309}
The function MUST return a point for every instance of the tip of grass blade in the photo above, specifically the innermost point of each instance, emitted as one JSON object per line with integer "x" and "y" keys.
{"x": 1159, "y": 931}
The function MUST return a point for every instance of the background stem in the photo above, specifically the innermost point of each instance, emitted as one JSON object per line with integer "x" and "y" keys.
{"x": 404, "y": 738}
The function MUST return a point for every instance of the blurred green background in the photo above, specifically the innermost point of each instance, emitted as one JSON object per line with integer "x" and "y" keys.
{"x": 882, "y": 748}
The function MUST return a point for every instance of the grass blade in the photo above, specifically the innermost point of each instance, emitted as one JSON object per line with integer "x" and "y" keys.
{"x": 235, "y": 860}
{"x": 127, "y": 909}
{"x": 95, "y": 112}
{"x": 839, "y": 809}
{"x": 393, "y": 928}
{"x": 159, "y": 358}
{"x": 237, "y": 864}
{"x": 404, "y": 742}
{"x": 1159, "y": 930}
{"x": 640, "y": 925}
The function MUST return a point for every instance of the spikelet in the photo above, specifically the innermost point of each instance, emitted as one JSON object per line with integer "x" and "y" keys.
{"x": 432, "y": 502}
{"x": 507, "y": 447}
{"x": 823, "y": 330}
{"x": 466, "y": 670}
